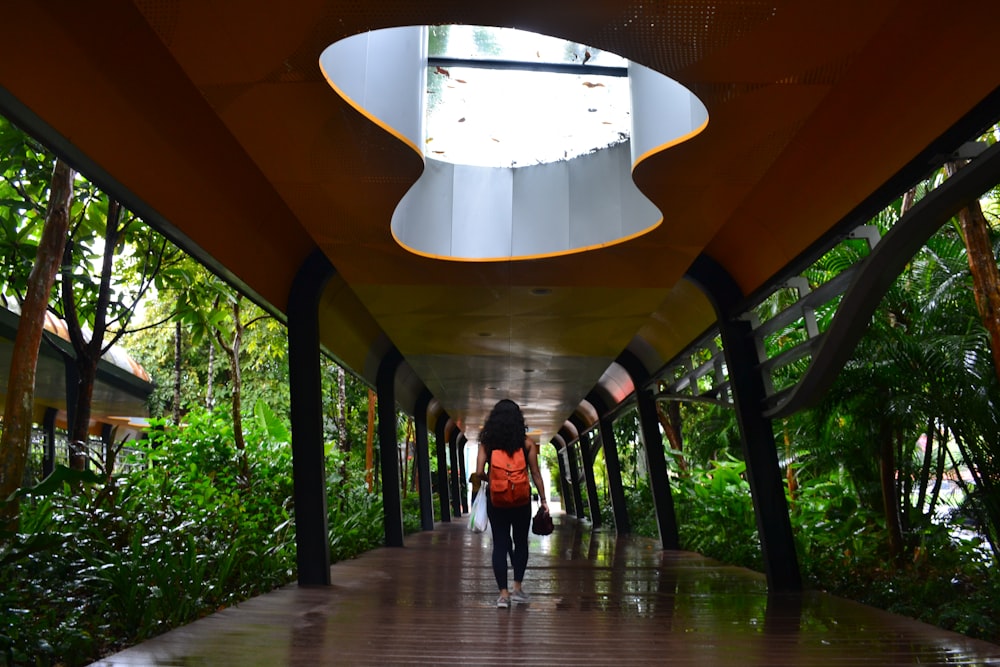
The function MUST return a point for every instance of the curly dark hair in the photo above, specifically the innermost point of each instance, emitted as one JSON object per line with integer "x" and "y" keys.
{"x": 504, "y": 428}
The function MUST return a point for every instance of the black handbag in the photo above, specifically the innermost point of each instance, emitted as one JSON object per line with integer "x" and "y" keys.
{"x": 542, "y": 523}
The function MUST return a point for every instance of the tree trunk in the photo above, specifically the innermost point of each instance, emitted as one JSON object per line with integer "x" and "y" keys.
{"x": 939, "y": 472}
{"x": 983, "y": 266}
{"x": 403, "y": 456}
{"x": 670, "y": 420}
{"x": 342, "y": 442}
{"x": 88, "y": 352}
{"x": 904, "y": 485}
{"x": 232, "y": 349}
{"x": 237, "y": 400}
{"x": 177, "y": 373}
{"x": 370, "y": 447}
{"x": 17, "y": 420}
{"x": 210, "y": 391}
{"x": 890, "y": 503}
{"x": 924, "y": 479}
{"x": 790, "y": 478}
{"x": 79, "y": 434}
{"x": 236, "y": 376}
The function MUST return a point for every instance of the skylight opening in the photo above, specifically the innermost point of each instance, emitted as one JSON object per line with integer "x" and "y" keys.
{"x": 559, "y": 129}
{"x": 499, "y": 97}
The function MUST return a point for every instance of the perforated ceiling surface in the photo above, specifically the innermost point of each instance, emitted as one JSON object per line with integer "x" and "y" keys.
{"x": 214, "y": 120}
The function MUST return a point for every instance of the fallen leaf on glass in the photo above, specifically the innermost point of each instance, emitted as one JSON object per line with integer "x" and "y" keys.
{"x": 443, "y": 71}
{"x": 589, "y": 84}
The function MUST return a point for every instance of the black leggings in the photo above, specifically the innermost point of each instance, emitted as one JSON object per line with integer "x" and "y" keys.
{"x": 504, "y": 521}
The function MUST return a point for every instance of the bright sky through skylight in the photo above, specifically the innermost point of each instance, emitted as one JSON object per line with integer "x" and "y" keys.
{"x": 491, "y": 117}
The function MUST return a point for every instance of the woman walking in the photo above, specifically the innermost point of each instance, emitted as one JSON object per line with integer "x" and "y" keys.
{"x": 504, "y": 444}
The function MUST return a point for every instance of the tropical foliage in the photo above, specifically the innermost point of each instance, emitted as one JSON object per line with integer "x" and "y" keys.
{"x": 892, "y": 481}
{"x": 99, "y": 565}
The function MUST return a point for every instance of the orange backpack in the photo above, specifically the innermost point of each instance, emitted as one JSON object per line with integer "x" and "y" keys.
{"x": 508, "y": 478}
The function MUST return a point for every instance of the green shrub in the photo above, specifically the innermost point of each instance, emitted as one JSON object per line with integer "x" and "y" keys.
{"x": 715, "y": 514}
{"x": 946, "y": 581}
{"x": 196, "y": 526}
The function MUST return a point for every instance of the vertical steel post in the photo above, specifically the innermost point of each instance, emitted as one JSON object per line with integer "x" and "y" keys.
{"x": 766, "y": 483}
{"x": 456, "y": 501}
{"x": 442, "y": 461}
{"x": 611, "y": 462}
{"x": 423, "y": 461}
{"x": 463, "y": 474}
{"x": 306, "y": 390}
{"x": 565, "y": 493}
{"x": 388, "y": 444}
{"x": 574, "y": 480}
{"x": 589, "y": 451}
{"x": 659, "y": 480}
{"x": 617, "y": 491}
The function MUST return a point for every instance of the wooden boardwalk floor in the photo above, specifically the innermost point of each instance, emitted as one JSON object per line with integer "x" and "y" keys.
{"x": 596, "y": 600}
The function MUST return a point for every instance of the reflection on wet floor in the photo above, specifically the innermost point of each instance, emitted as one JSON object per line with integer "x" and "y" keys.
{"x": 597, "y": 599}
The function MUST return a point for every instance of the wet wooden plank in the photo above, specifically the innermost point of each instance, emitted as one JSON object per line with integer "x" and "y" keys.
{"x": 596, "y": 600}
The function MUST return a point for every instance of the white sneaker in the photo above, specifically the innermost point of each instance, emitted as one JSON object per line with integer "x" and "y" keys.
{"x": 521, "y": 596}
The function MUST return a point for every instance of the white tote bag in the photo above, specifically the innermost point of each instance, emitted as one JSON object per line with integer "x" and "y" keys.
{"x": 478, "y": 521}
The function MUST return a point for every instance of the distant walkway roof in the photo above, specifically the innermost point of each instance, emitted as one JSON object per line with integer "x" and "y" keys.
{"x": 122, "y": 388}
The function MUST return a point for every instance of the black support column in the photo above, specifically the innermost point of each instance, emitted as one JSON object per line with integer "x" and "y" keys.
{"x": 611, "y": 462}
{"x": 589, "y": 454}
{"x": 615, "y": 487}
{"x": 306, "y": 388}
{"x": 441, "y": 441}
{"x": 463, "y": 474}
{"x": 565, "y": 493}
{"x": 456, "y": 501}
{"x": 423, "y": 461}
{"x": 659, "y": 480}
{"x": 766, "y": 483}
{"x": 392, "y": 507}
{"x": 652, "y": 441}
{"x": 574, "y": 479}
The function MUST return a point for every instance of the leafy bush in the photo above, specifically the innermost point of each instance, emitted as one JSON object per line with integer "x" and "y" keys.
{"x": 715, "y": 514}
{"x": 354, "y": 514}
{"x": 197, "y": 526}
{"x": 949, "y": 581}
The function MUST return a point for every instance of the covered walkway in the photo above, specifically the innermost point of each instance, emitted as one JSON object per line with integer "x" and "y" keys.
{"x": 597, "y": 600}
{"x": 289, "y": 159}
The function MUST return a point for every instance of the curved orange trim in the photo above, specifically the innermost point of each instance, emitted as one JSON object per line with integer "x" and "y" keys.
{"x": 673, "y": 142}
{"x": 520, "y": 258}
{"x": 377, "y": 121}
